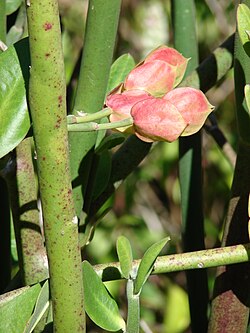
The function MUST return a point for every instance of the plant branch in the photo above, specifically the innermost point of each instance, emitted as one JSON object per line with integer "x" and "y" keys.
{"x": 47, "y": 99}
{"x": 32, "y": 259}
{"x": 228, "y": 255}
{"x": 87, "y": 117}
{"x": 92, "y": 126}
{"x": 99, "y": 42}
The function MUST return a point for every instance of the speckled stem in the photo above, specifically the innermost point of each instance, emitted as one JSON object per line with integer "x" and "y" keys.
{"x": 47, "y": 99}
{"x": 178, "y": 262}
{"x": 32, "y": 259}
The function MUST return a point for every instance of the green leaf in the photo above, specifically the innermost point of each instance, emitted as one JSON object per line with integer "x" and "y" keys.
{"x": 102, "y": 174}
{"x": 12, "y": 6}
{"x": 147, "y": 263}
{"x": 99, "y": 305}
{"x": 125, "y": 256}
{"x": 243, "y": 25}
{"x": 42, "y": 305}
{"x": 16, "y": 308}
{"x": 247, "y": 96}
{"x": 110, "y": 142}
{"x": 14, "y": 117}
{"x": 17, "y": 30}
{"x": 176, "y": 317}
{"x": 119, "y": 70}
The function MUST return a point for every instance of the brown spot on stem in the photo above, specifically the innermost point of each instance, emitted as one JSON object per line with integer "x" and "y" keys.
{"x": 47, "y": 26}
{"x": 47, "y": 55}
{"x": 59, "y": 101}
{"x": 58, "y": 122}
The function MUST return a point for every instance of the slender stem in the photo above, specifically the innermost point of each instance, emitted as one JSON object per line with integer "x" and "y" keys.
{"x": 190, "y": 172}
{"x": 92, "y": 126}
{"x": 133, "y": 318}
{"x": 228, "y": 255}
{"x": 99, "y": 42}
{"x": 47, "y": 100}
{"x": 87, "y": 117}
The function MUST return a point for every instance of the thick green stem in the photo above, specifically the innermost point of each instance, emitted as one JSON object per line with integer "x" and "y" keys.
{"x": 190, "y": 172}
{"x": 32, "y": 254}
{"x": 35, "y": 263}
{"x": 99, "y": 41}
{"x": 47, "y": 99}
{"x": 228, "y": 255}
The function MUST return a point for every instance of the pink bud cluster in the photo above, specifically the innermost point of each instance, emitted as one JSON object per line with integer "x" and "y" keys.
{"x": 159, "y": 112}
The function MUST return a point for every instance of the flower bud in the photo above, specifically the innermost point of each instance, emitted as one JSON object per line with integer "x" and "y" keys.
{"x": 192, "y": 105}
{"x": 156, "y": 77}
{"x": 122, "y": 103}
{"x": 173, "y": 58}
{"x": 157, "y": 120}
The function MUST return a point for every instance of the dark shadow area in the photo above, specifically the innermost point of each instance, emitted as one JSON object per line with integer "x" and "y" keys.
{"x": 5, "y": 248}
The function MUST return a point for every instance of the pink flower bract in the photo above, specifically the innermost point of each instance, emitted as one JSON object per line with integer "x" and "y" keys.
{"x": 159, "y": 112}
{"x": 192, "y": 105}
{"x": 157, "y": 120}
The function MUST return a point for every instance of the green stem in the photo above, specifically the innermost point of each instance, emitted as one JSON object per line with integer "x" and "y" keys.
{"x": 228, "y": 255}
{"x": 92, "y": 126}
{"x": 34, "y": 264}
{"x": 99, "y": 42}
{"x": 87, "y": 117}
{"x": 51, "y": 142}
{"x": 133, "y": 317}
{"x": 190, "y": 172}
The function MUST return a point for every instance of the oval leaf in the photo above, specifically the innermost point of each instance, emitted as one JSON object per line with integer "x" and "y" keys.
{"x": 12, "y": 6}
{"x": 247, "y": 96}
{"x": 125, "y": 256}
{"x": 42, "y": 305}
{"x": 99, "y": 304}
{"x": 14, "y": 117}
{"x": 147, "y": 263}
{"x": 119, "y": 70}
{"x": 16, "y": 308}
{"x": 243, "y": 25}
